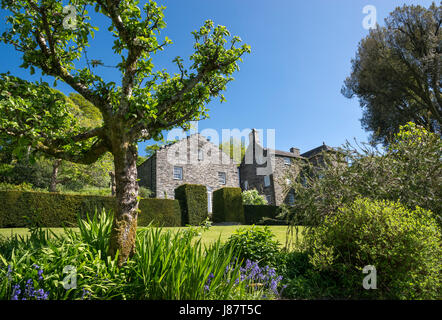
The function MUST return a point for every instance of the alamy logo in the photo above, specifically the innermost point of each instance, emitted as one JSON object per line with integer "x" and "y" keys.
{"x": 70, "y": 20}
{"x": 370, "y": 281}
{"x": 70, "y": 281}
{"x": 370, "y": 20}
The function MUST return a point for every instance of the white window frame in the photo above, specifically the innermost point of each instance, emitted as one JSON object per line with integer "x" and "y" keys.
{"x": 287, "y": 161}
{"x": 222, "y": 178}
{"x": 177, "y": 176}
{"x": 200, "y": 154}
{"x": 266, "y": 181}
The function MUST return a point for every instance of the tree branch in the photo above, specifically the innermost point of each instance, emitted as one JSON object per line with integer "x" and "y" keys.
{"x": 86, "y": 157}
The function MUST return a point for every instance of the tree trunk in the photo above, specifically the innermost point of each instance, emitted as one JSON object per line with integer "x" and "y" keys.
{"x": 55, "y": 167}
{"x": 122, "y": 238}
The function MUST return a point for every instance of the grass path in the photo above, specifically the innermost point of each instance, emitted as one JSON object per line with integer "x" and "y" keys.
{"x": 207, "y": 236}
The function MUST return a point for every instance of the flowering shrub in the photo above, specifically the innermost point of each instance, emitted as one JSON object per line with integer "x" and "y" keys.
{"x": 252, "y": 281}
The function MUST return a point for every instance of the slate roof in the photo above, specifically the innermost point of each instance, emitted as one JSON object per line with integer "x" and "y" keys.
{"x": 317, "y": 150}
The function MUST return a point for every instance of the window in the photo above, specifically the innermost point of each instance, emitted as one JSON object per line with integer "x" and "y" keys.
{"x": 291, "y": 198}
{"x": 200, "y": 154}
{"x": 266, "y": 181}
{"x": 246, "y": 185}
{"x": 222, "y": 177}
{"x": 287, "y": 160}
{"x": 288, "y": 181}
{"x": 178, "y": 173}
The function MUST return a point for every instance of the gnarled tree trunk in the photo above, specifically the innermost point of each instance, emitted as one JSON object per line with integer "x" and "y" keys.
{"x": 122, "y": 238}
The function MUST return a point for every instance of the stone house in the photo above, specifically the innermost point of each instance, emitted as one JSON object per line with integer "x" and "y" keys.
{"x": 192, "y": 160}
{"x": 265, "y": 169}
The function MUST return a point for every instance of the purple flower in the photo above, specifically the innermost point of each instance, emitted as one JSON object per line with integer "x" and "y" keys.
{"x": 15, "y": 292}
{"x": 86, "y": 293}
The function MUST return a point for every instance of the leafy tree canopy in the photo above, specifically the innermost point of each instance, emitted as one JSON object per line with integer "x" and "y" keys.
{"x": 396, "y": 73}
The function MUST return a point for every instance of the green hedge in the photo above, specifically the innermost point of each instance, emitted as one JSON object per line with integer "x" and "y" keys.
{"x": 161, "y": 212}
{"x": 23, "y": 209}
{"x": 193, "y": 203}
{"x": 254, "y": 213}
{"x": 227, "y": 205}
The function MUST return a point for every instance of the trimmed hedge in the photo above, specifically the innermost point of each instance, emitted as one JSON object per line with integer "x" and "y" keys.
{"x": 23, "y": 209}
{"x": 227, "y": 205}
{"x": 161, "y": 212}
{"x": 254, "y": 213}
{"x": 193, "y": 203}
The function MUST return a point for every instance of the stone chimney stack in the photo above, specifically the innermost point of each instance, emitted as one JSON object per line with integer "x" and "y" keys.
{"x": 295, "y": 151}
{"x": 253, "y": 137}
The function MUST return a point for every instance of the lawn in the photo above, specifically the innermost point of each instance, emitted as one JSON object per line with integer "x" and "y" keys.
{"x": 207, "y": 236}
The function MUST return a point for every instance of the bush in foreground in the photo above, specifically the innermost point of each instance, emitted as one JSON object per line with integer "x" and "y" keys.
{"x": 403, "y": 245}
{"x": 255, "y": 244}
{"x": 166, "y": 265}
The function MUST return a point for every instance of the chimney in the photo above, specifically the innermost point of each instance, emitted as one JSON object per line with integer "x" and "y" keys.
{"x": 295, "y": 151}
{"x": 253, "y": 137}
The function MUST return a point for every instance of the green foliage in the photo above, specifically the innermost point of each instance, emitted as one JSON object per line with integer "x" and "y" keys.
{"x": 396, "y": 72}
{"x": 146, "y": 102}
{"x": 21, "y": 209}
{"x": 166, "y": 265}
{"x": 193, "y": 203}
{"x": 159, "y": 212}
{"x": 227, "y": 205}
{"x": 408, "y": 170}
{"x": 95, "y": 230}
{"x": 403, "y": 245}
{"x": 302, "y": 281}
{"x": 255, "y": 244}
{"x": 252, "y": 197}
{"x": 145, "y": 193}
{"x": 254, "y": 213}
{"x": 16, "y": 187}
{"x": 172, "y": 266}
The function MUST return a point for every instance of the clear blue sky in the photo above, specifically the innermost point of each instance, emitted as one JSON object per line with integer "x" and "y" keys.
{"x": 301, "y": 53}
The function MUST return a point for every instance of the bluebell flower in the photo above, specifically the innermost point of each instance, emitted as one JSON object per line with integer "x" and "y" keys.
{"x": 86, "y": 293}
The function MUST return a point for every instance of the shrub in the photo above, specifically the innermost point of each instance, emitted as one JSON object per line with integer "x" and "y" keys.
{"x": 15, "y": 187}
{"x": 255, "y": 244}
{"x": 403, "y": 245}
{"x": 193, "y": 203}
{"x": 21, "y": 209}
{"x": 227, "y": 205}
{"x": 302, "y": 281}
{"x": 409, "y": 171}
{"x": 159, "y": 212}
{"x": 252, "y": 197}
{"x": 254, "y": 213}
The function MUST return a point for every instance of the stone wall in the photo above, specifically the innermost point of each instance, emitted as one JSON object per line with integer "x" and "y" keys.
{"x": 184, "y": 153}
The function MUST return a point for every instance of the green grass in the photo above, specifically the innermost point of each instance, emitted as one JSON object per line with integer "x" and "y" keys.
{"x": 207, "y": 236}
